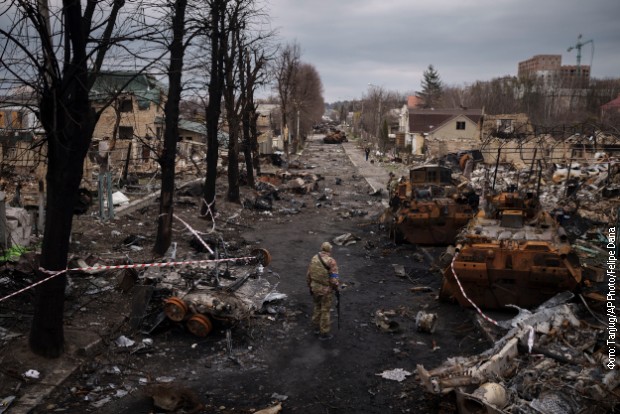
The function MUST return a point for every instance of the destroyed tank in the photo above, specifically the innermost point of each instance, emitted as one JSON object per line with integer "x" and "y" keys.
{"x": 429, "y": 207}
{"x": 512, "y": 253}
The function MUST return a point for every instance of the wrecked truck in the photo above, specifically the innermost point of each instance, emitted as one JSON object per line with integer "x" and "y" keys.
{"x": 429, "y": 207}
{"x": 512, "y": 253}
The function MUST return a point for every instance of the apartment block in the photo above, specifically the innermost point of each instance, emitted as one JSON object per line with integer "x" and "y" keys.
{"x": 550, "y": 68}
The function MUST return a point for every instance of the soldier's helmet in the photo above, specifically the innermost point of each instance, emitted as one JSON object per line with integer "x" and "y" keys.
{"x": 326, "y": 247}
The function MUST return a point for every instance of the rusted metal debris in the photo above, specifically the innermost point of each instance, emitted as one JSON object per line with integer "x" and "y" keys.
{"x": 429, "y": 207}
{"x": 549, "y": 361}
{"x": 198, "y": 299}
{"x": 512, "y": 253}
{"x": 335, "y": 137}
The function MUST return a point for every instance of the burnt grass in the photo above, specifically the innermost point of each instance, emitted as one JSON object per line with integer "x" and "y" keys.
{"x": 274, "y": 357}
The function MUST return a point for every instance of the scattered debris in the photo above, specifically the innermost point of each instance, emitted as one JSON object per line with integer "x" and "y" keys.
{"x": 565, "y": 371}
{"x": 396, "y": 374}
{"x": 32, "y": 373}
{"x": 385, "y": 323}
{"x": 173, "y": 397}
{"x": 18, "y": 227}
{"x": 124, "y": 342}
{"x": 271, "y": 410}
{"x": 346, "y": 239}
{"x": 119, "y": 199}
{"x": 426, "y": 322}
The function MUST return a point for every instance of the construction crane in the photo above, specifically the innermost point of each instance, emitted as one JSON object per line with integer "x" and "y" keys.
{"x": 578, "y": 47}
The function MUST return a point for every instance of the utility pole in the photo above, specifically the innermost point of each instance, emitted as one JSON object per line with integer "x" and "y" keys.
{"x": 578, "y": 46}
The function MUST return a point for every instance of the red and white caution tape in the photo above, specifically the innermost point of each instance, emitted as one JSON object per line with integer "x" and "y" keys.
{"x": 493, "y": 321}
{"x": 194, "y": 233}
{"x": 31, "y": 286}
{"x": 52, "y": 274}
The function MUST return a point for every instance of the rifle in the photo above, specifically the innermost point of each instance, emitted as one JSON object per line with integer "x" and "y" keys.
{"x": 338, "y": 305}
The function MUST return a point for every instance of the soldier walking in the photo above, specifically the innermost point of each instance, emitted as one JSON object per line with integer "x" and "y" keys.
{"x": 322, "y": 278}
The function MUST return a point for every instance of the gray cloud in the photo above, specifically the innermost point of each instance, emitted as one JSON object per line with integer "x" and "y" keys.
{"x": 391, "y": 42}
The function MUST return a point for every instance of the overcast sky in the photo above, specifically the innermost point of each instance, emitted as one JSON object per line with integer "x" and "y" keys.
{"x": 390, "y": 43}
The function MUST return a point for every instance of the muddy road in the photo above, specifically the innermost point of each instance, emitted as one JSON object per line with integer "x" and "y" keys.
{"x": 275, "y": 357}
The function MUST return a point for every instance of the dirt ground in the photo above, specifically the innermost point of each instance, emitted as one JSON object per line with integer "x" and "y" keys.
{"x": 273, "y": 357}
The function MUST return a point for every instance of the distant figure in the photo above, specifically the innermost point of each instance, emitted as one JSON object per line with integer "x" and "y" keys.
{"x": 392, "y": 183}
{"x": 322, "y": 278}
{"x": 367, "y": 151}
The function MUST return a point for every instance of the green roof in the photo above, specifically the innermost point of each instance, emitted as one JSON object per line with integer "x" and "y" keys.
{"x": 143, "y": 86}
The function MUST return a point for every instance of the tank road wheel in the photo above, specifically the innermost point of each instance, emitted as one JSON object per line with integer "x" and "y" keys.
{"x": 199, "y": 325}
{"x": 262, "y": 255}
{"x": 175, "y": 309}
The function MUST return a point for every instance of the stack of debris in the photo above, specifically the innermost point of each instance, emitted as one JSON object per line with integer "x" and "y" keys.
{"x": 590, "y": 190}
{"x": 553, "y": 360}
{"x": 269, "y": 187}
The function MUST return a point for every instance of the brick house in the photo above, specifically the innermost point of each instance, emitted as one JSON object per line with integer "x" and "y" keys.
{"x": 133, "y": 118}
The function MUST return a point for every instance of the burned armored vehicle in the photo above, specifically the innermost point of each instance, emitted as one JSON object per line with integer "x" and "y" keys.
{"x": 429, "y": 207}
{"x": 512, "y": 252}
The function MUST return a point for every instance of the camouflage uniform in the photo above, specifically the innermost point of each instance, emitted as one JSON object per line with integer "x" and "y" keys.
{"x": 322, "y": 283}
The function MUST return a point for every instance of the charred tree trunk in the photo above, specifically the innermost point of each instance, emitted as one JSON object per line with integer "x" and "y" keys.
{"x": 254, "y": 142}
{"x": 218, "y": 43}
{"x": 171, "y": 132}
{"x": 69, "y": 123}
{"x": 248, "y": 121}
{"x": 233, "y": 65}
{"x": 248, "y": 145}
{"x": 233, "y": 164}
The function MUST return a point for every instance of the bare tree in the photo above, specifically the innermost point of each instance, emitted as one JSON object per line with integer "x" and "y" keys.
{"x": 236, "y": 20}
{"x": 171, "y": 130}
{"x": 307, "y": 101}
{"x": 214, "y": 29}
{"x": 253, "y": 75}
{"x": 285, "y": 69}
{"x": 58, "y": 51}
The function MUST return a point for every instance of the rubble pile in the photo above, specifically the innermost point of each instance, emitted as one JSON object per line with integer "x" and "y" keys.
{"x": 552, "y": 360}
{"x": 590, "y": 191}
{"x": 270, "y": 187}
